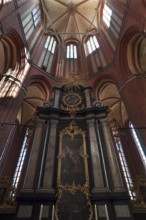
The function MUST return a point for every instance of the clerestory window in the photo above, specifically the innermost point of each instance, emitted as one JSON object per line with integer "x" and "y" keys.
{"x": 92, "y": 44}
{"x": 50, "y": 44}
{"x": 107, "y": 14}
{"x": 31, "y": 21}
{"x": 71, "y": 52}
{"x": 36, "y": 15}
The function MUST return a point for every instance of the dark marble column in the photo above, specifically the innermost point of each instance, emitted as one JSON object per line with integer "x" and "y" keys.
{"x": 114, "y": 167}
{"x": 50, "y": 157}
{"x": 96, "y": 163}
{"x": 87, "y": 95}
{"x": 31, "y": 169}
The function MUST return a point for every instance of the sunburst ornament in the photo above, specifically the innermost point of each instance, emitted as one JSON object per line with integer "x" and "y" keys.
{"x": 73, "y": 82}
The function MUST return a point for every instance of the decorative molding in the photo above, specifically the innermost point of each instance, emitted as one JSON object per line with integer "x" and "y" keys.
{"x": 67, "y": 184}
{"x": 73, "y": 82}
{"x": 72, "y": 102}
{"x": 7, "y": 193}
{"x": 138, "y": 184}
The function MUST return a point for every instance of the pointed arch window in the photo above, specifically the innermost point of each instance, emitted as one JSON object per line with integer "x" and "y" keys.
{"x": 71, "y": 51}
{"x": 107, "y": 14}
{"x": 47, "y": 56}
{"x": 92, "y": 44}
{"x": 31, "y": 21}
{"x": 50, "y": 44}
{"x": 138, "y": 144}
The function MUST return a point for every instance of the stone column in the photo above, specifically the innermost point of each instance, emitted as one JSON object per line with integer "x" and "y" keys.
{"x": 56, "y": 97}
{"x": 32, "y": 164}
{"x": 44, "y": 154}
{"x": 50, "y": 157}
{"x": 102, "y": 154}
{"x": 96, "y": 163}
{"x": 114, "y": 167}
{"x": 87, "y": 95}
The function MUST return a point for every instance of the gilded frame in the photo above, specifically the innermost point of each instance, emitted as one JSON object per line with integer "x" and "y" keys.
{"x": 73, "y": 188}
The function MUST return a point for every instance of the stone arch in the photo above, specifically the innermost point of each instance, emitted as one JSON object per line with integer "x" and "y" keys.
{"x": 12, "y": 52}
{"x": 108, "y": 94}
{"x": 37, "y": 93}
{"x": 133, "y": 52}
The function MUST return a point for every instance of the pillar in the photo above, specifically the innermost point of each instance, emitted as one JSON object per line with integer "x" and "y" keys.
{"x": 111, "y": 154}
{"x": 31, "y": 169}
{"x": 95, "y": 156}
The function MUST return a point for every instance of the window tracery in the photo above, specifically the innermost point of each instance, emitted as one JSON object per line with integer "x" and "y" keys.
{"x": 92, "y": 44}
{"x": 31, "y": 21}
{"x": 107, "y": 14}
{"x": 71, "y": 51}
{"x": 50, "y": 44}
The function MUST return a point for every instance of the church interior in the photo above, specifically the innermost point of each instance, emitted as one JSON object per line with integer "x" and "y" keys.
{"x": 73, "y": 109}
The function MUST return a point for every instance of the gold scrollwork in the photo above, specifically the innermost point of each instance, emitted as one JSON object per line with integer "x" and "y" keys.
{"x": 6, "y": 193}
{"x": 138, "y": 184}
{"x": 72, "y": 130}
{"x": 73, "y": 188}
{"x": 72, "y": 102}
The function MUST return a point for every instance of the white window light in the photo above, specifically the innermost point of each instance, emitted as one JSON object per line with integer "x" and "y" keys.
{"x": 107, "y": 14}
{"x": 50, "y": 44}
{"x": 95, "y": 42}
{"x": 71, "y": 51}
{"x": 20, "y": 162}
{"x": 75, "y": 52}
{"x": 36, "y": 14}
{"x": 138, "y": 144}
{"x": 67, "y": 53}
{"x": 89, "y": 47}
{"x": 92, "y": 44}
{"x": 47, "y": 42}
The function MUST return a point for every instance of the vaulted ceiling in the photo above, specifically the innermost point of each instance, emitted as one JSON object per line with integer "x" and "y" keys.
{"x": 71, "y": 19}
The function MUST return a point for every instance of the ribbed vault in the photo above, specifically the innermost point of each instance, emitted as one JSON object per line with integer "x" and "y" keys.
{"x": 109, "y": 96}
{"x": 71, "y": 19}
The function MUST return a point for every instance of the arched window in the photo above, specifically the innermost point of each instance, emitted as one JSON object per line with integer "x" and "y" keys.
{"x": 31, "y": 21}
{"x": 92, "y": 44}
{"x": 107, "y": 14}
{"x": 50, "y": 44}
{"x": 71, "y": 51}
{"x": 71, "y": 58}
{"x": 47, "y": 56}
{"x": 138, "y": 144}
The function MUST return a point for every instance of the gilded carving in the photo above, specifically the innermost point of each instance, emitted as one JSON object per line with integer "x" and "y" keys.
{"x": 72, "y": 102}
{"x": 73, "y": 82}
{"x": 138, "y": 184}
{"x": 7, "y": 193}
{"x": 73, "y": 177}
